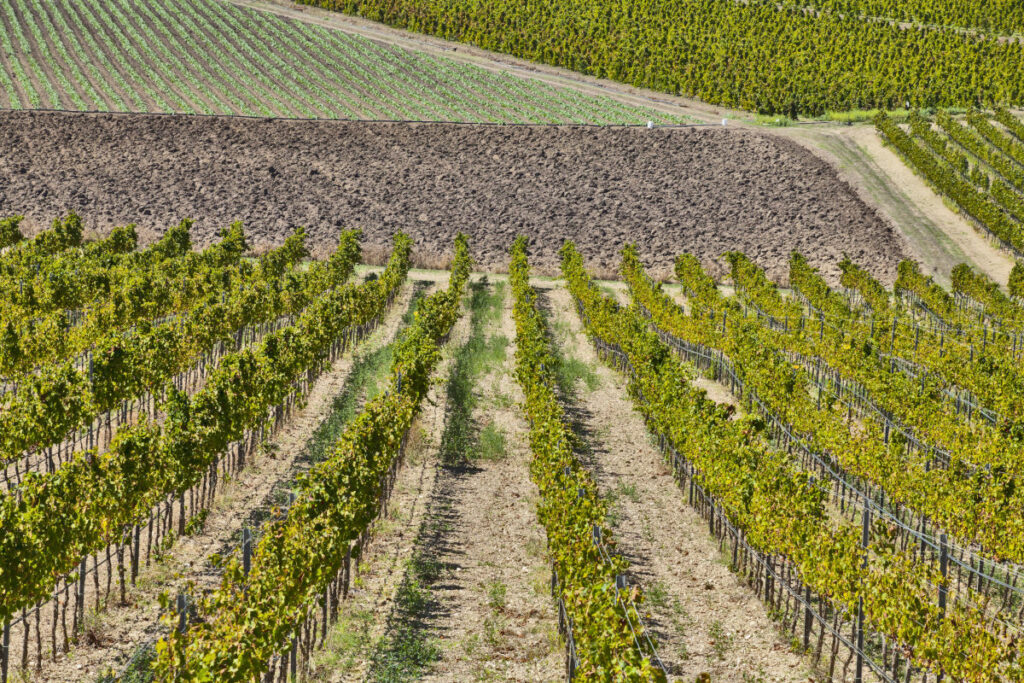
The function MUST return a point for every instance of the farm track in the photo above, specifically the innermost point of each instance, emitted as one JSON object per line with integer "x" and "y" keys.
{"x": 704, "y": 190}
{"x": 114, "y": 634}
{"x": 936, "y": 235}
{"x": 458, "y": 533}
{"x": 704, "y": 618}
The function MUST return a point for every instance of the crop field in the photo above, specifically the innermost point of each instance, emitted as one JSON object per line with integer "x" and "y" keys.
{"x": 398, "y": 341}
{"x": 976, "y": 163}
{"x": 211, "y": 57}
{"x": 850, "y": 454}
{"x": 792, "y": 57}
{"x": 703, "y": 189}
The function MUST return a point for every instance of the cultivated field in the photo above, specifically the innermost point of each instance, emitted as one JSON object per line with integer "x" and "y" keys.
{"x": 207, "y": 57}
{"x": 703, "y": 189}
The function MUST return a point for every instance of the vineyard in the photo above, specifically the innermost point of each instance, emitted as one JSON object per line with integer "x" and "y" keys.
{"x": 396, "y": 341}
{"x": 790, "y": 57}
{"x": 128, "y": 56}
{"x": 856, "y": 470}
{"x": 976, "y": 163}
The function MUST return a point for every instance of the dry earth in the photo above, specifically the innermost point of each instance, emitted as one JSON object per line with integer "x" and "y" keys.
{"x": 705, "y": 190}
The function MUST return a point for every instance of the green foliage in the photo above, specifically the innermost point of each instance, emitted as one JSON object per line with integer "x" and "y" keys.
{"x": 948, "y": 171}
{"x": 758, "y": 56}
{"x": 9, "y": 232}
{"x": 805, "y": 279}
{"x": 871, "y": 290}
{"x": 226, "y": 298}
{"x": 911, "y": 279}
{"x": 571, "y": 506}
{"x": 88, "y": 502}
{"x": 1017, "y": 281}
{"x": 781, "y": 510}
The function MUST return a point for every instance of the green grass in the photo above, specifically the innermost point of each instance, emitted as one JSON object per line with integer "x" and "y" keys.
{"x": 491, "y": 443}
{"x": 368, "y": 372}
{"x": 482, "y": 353}
{"x": 409, "y": 650}
{"x": 347, "y": 642}
{"x": 137, "y": 670}
{"x": 212, "y": 57}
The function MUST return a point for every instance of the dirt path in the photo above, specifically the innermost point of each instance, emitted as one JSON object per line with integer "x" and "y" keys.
{"x": 498, "y": 620}
{"x": 704, "y": 619}
{"x": 112, "y": 636}
{"x": 366, "y": 618}
{"x": 936, "y": 234}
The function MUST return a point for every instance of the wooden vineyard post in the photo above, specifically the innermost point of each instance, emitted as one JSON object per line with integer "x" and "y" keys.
{"x": 807, "y": 617}
{"x": 246, "y": 552}
{"x": 5, "y": 650}
{"x": 182, "y": 612}
{"x": 80, "y": 602}
{"x": 859, "y": 675}
{"x": 135, "y": 554}
{"x": 944, "y": 568}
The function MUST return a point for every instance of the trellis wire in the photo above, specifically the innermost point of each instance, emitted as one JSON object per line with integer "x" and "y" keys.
{"x": 851, "y": 492}
{"x": 765, "y": 573}
{"x": 92, "y": 436}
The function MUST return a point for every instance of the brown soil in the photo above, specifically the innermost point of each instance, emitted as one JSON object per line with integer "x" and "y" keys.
{"x": 703, "y": 618}
{"x": 705, "y": 190}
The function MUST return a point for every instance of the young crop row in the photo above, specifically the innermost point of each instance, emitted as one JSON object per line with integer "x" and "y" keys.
{"x": 751, "y": 55}
{"x": 207, "y": 57}
{"x": 607, "y": 641}
{"x": 53, "y": 520}
{"x": 256, "y": 615}
{"x": 783, "y": 512}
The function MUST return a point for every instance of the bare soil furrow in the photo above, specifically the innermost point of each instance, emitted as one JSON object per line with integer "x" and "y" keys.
{"x": 499, "y": 620}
